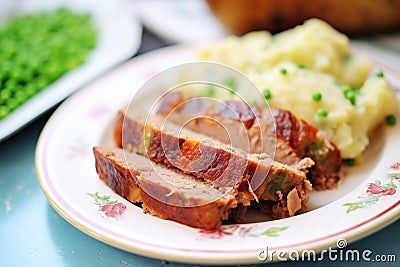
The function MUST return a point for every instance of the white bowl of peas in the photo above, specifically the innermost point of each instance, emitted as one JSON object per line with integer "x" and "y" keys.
{"x": 50, "y": 49}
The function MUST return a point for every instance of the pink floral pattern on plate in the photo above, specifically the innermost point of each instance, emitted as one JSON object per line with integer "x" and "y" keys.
{"x": 107, "y": 207}
{"x": 376, "y": 190}
{"x": 77, "y": 149}
{"x": 235, "y": 230}
{"x": 99, "y": 111}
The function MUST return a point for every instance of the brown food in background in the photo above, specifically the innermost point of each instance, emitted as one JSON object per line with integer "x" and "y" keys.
{"x": 350, "y": 17}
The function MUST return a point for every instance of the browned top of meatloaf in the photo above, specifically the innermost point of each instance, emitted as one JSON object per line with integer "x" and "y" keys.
{"x": 297, "y": 133}
{"x": 191, "y": 190}
{"x": 276, "y": 132}
{"x": 214, "y": 162}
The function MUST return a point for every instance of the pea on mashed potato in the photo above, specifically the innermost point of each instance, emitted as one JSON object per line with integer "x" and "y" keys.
{"x": 312, "y": 71}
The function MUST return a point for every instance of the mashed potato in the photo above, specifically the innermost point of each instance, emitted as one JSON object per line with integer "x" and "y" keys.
{"x": 312, "y": 71}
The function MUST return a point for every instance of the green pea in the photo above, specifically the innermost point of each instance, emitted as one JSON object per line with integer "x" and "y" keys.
{"x": 42, "y": 83}
{"x": 390, "y": 120}
{"x": 350, "y": 93}
{"x": 4, "y": 111}
{"x": 350, "y": 161}
{"x": 5, "y": 94}
{"x": 380, "y": 74}
{"x": 30, "y": 90}
{"x": 301, "y": 66}
{"x": 6, "y": 66}
{"x": 322, "y": 112}
{"x": 351, "y": 96}
{"x": 317, "y": 96}
{"x": 267, "y": 94}
{"x": 21, "y": 96}
{"x": 12, "y": 103}
{"x": 11, "y": 84}
{"x": 345, "y": 88}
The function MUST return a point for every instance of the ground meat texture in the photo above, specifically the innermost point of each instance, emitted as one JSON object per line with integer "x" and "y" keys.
{"x": 164, "y": 192}
{"x": 293, "y": 203}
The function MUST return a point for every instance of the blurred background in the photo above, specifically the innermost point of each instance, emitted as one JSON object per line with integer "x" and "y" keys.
{"x": 31, "y": 231}
{"x": 198, "y": 20}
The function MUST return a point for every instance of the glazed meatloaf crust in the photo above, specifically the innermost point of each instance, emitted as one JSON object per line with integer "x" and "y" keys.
{"x": 295, "y": 138}
{"x": 255, "y": 176}
{"x": 164, "y": 192}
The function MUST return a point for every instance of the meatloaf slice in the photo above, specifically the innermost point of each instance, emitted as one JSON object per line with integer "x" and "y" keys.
{"x": 164, "y": 192}
{"x": 255, "y": 176}
{"x": 276, "y": 132}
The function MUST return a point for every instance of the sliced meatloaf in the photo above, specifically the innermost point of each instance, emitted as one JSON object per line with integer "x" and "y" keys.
{"x": 255, "y": 176}
{"x": 258, "y": 130}
{"x": 164, "y": 192}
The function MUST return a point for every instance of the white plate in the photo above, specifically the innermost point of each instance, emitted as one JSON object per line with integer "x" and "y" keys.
{"x": 119, "y": 38}
{"x": 66, "y": 172}
{"x": 177, "y": 21}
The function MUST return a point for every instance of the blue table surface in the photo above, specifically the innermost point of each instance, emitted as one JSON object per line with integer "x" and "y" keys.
{"x": 33, "y": 234}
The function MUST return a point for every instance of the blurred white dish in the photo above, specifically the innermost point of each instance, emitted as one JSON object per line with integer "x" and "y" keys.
{"x": 178, "y": 21}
